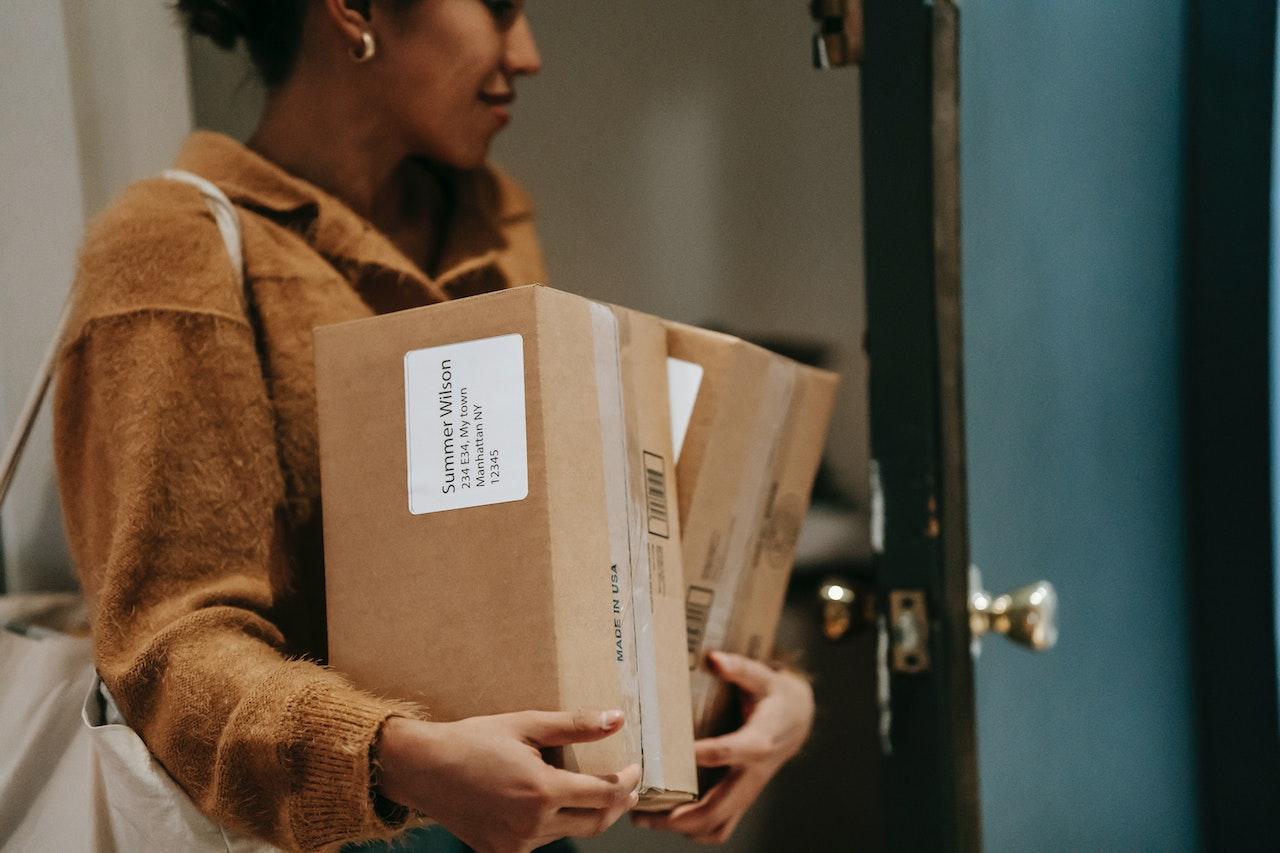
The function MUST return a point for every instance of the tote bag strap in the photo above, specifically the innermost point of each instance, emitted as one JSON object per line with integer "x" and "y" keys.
{"x": 224, "y": 214}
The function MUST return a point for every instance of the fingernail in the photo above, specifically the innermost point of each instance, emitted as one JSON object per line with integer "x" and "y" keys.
{"x": 609, "y": 719}
{"x": 633, "y": 799}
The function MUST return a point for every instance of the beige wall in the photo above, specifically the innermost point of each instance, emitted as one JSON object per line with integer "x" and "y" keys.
{"x": 687, "y": 160}
{"x": 95, "y": 95}
{"x": 131, "y": 90}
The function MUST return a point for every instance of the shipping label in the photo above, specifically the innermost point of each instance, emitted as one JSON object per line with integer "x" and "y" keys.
{"x": 465, "y": 424}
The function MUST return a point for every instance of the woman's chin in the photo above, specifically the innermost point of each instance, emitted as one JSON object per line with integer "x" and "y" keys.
{"x": 460, "y": 157}
{"x": 478, "y": 156}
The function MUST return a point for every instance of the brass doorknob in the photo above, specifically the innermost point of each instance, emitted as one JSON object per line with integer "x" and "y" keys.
{"x": 847, "y": 607}
{"x": 1028, "y": 615}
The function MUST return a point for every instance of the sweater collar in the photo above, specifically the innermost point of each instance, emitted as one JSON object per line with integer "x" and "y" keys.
{"x": 486, "y": 205}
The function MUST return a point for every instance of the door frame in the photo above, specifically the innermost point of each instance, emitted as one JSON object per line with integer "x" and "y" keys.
{"x": 1227, "y": 380}
{"x": 911, "y": 197}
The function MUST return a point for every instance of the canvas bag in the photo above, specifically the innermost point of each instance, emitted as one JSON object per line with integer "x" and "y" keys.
{"x": 73, "y": 775}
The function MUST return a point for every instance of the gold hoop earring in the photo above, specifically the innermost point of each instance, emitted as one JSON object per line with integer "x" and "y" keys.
{"x": 368, "y": 47}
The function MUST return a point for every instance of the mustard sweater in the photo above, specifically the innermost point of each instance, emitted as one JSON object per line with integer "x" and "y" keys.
{"x": 185, "y": 438}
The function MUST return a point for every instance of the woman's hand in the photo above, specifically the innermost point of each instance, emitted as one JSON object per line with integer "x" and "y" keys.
{"x": 484, "y": 778}
{"x": 778, "y": 709}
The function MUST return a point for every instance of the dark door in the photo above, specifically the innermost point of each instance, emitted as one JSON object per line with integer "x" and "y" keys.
{"x": 910, "y": 106}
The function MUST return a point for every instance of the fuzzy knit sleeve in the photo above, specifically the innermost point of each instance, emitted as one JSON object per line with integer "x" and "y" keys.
{"x": 172, "y": 495}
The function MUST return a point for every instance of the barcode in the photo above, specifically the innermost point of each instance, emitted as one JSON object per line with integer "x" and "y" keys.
{"x": 655, "y": 487}
{"x": 697, "y": 607}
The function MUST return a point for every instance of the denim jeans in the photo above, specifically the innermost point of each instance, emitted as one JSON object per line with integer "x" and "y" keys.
{"x": 435, "y": 839}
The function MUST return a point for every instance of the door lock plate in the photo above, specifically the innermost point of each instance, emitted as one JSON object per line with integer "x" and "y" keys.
{"x": 909, "y": 627}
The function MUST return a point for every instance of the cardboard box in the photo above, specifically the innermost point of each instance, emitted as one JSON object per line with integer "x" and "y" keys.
{"x": 756, "y": 430}
{"x": 499, "y": 519}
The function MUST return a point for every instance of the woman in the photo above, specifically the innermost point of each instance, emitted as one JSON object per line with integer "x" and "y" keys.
{"x": 186, "y": 440}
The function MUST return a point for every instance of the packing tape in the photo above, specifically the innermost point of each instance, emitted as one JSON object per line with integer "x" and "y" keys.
{"x": 624, "y": 542}
{"x": 767, "y": 431}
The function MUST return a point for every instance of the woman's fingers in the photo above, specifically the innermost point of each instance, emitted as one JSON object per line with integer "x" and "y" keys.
{"x": 712, "y": 819}
{"x": 720, "y": 834}
{"x": 561, "y": 728}
{"x": 752, "y": 676}
{"x": 585, "y": 823}
{"x": 581, "y": 791}
{"x": 736, "y": 749}
{"x": 694, "y": 819}
{"x": 778, "y": 708}
{"x": 592, "y": 803}
{"x": 693, "y": 816}
{"x": 578, "y": 823}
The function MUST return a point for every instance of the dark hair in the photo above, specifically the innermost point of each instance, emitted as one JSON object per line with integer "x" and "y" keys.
{"x": 272, "y": 30}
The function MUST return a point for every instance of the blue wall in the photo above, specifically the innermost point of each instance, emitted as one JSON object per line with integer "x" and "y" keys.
{"x": 1072, "y": 129}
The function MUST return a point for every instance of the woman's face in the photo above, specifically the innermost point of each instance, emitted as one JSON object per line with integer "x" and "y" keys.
{"x": 444, "y": 73}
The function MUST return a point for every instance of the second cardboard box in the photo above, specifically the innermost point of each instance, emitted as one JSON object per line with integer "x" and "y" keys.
{"x": 757, "y": 424}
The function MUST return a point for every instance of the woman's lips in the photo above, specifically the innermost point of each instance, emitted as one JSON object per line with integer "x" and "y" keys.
{"x": 499, "y": 104}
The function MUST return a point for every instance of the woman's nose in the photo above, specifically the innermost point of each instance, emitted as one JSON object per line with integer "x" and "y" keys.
{"x": 522, "y": 51}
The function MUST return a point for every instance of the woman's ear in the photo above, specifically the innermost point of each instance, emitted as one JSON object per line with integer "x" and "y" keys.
{"x": 351, "y": 17}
